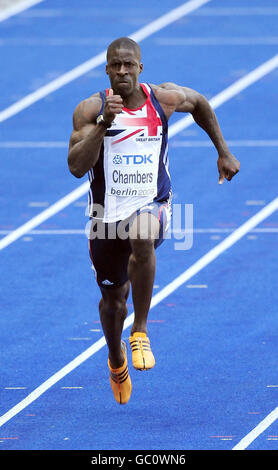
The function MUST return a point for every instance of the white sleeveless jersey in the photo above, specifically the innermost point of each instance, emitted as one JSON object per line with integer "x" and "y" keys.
{"x": 132, "y": 169}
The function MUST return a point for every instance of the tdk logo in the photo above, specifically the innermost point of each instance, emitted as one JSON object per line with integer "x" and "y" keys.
{"x": 117, "y": 160}
{"x": 132, "y": 159}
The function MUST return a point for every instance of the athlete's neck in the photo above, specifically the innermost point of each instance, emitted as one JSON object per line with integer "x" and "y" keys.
{"x": 136, "y": 99}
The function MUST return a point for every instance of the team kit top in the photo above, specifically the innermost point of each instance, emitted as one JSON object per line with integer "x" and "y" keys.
{"x": 132, "y": 169}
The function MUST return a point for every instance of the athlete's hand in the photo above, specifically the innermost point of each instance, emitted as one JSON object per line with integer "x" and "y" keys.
{"x": 113, "y": 105}
{"x": 228, "y": 167}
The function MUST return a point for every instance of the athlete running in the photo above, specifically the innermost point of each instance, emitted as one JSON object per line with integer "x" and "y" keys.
{"x": 120, "y": 139}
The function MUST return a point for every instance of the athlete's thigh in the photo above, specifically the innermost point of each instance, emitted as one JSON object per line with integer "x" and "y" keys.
{"x": 110, "y": 261}
{"x": 151, "y": 222}
{"x": 145, "y": 226}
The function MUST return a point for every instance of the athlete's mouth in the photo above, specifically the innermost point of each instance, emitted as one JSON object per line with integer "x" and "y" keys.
{"x": 123, "y": 80}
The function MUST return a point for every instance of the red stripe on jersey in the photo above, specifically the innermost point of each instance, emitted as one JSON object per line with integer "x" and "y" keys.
{"x": 127, "y": 136}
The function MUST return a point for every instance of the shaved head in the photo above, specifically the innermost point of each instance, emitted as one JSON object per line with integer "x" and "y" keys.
{"x": 123, "y": 43}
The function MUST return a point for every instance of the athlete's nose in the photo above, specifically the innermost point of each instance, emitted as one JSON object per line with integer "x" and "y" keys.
{"x": 122, "y": 70}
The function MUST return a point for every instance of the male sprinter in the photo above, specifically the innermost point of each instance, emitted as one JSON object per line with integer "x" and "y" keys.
{"x": 120, "y": 140}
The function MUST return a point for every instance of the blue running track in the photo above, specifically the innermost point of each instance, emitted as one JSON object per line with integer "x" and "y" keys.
{"x": 215, "y": 336}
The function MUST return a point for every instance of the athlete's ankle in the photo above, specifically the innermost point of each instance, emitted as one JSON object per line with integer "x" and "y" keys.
{"x": 138, "y": 328}
{"x": 116, "y": 361}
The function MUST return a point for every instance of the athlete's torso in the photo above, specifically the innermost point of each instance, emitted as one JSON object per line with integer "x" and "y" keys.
{"x": 132, "y": 169}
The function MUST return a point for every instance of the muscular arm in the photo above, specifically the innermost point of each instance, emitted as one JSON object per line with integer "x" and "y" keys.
{"x": 187, "y": 100}
{"x": 87, "y": 136}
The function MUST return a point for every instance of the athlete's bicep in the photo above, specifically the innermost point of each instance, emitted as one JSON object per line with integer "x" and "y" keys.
{"x": 184, "y": 99}
{"x": 84, "y": 119}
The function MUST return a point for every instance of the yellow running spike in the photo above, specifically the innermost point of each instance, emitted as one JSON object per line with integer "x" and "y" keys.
{"x": 120, "y": 380}
{"x": 142, "y": 356}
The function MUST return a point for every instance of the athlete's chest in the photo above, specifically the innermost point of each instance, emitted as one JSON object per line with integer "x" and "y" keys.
{"x": 136, "y": 128}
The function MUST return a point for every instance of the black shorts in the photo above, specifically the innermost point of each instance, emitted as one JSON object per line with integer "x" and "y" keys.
{"x": 110, "y": 253}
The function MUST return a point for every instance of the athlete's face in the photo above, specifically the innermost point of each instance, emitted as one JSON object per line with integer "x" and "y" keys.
{"x": 123, "y": 67}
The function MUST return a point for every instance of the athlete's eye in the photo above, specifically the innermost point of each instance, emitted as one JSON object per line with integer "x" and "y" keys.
{"x": 115, "y": 65}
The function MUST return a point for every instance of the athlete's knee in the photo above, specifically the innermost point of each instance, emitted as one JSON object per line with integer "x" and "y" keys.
{"x": 142, "y": 251}
{"x": 115, "y": 307}
{"x": 113, "y": 302}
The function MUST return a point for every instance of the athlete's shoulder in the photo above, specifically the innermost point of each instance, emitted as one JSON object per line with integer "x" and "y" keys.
{"x": 87, "y": 110}
{"x": 168, "y": 93}
{"x": 165, "y": 86}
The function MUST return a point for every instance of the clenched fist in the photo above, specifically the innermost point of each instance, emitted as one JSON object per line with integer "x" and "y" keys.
{"x": 113, "y": 105}
{"x": 228, "y": 167}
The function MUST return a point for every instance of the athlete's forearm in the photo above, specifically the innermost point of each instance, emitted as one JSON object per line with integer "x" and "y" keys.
{"x": 84, "y": 154}
{"x": 205, "y": 117}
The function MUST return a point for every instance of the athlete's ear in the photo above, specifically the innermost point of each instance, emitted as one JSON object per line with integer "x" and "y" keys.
{"x": 141, "y": 67}
{"x": 106, "y": 69}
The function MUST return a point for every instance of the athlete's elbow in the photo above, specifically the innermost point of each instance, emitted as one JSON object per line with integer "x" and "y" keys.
{"x": 201, "y": 102}
{"x": 75, "y": 169}
{"x": 76, "y": 172}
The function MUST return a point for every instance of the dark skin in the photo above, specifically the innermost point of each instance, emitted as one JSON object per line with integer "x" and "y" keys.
{"x": 123, "y": 68}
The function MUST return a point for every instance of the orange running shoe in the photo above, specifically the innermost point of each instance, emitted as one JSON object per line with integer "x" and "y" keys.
{"x": 142, "y": 356}
{"x": 120, "y": 380}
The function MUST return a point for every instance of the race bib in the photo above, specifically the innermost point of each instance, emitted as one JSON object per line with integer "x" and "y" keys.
{"x": 132, "y": 175}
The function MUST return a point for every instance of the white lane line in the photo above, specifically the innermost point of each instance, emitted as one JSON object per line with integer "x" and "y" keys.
{"x": 15, "y": 388}
{"x": 161, "y": 295}
{"x": 52, "y": 381}
{"x": 18, "y": 8}
{"x": 237, "y": 11}
{"x": 99, "y": 59}
{"x": 178, "y": 143}
{"x": 255, "y": 203}
{"x": 217, "y": 250}
{"x": 180, "y": 125}
{"x": 162, "y": 41}
{"x": 38, "y": 204}
{"x": 230, "y": 92}
{"x": 174, "y": 231}
{"x": 51, "y": 232}
{"x": 71, "y": 388}
{"x": 217, "y": 41}
{"x": 196, "y": 286}
{"x": 257, "y": 431}
{"x": 44, "y": 215}
{"x": 33, "y": 144}
{"x": 231, "y": 143}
